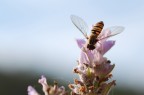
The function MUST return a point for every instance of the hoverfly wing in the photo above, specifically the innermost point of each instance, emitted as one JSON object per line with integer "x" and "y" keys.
{"x": 114, "y": 30}
{"x": 80, "y": 24}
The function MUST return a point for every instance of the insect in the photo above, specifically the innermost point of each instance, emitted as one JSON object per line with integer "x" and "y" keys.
{"x": 96, "y": 31}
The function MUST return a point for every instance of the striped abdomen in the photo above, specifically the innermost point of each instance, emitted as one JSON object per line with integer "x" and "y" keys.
{"x": 97, "y": 28}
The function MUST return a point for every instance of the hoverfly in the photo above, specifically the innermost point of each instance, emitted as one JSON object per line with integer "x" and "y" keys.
{"x": 96, "y": 31}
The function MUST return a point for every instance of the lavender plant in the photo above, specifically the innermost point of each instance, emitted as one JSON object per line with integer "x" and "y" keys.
{"x": 94, "y": 71}
{"x": 47, "y": 89}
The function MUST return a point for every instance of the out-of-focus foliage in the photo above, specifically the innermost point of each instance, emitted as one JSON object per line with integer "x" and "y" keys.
{"x": 16, "y": 84}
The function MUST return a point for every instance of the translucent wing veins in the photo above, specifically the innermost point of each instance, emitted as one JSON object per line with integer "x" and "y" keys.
{"x": 80, "y": 24}
{"x": 114, "y": 31}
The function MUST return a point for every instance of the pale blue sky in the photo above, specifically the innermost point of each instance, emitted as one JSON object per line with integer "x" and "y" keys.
{"x": 39, "y": 34}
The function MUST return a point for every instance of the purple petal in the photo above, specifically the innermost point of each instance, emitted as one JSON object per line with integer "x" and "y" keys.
{"x": 43, "y": 82}
{"x": 98, "y": 58}
{"x": 90, "y": 54}
{"x": 107, "y": 45}
{"x": 83, "y": 58}
{"x": 80, "y": 42}
{"x": 32, "y": 91}
{"x": 103, "y": 70}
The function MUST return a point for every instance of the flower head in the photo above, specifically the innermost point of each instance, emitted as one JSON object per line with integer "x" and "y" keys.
{"x": 93, "y": 68}
{"x": 47, "y": 89}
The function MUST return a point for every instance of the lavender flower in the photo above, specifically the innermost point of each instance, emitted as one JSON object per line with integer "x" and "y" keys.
{"x": 47, "y": 89}
{"x": 93, "y": 68}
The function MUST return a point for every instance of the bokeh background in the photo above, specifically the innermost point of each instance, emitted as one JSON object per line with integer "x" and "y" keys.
{"x": 37, "y": 38}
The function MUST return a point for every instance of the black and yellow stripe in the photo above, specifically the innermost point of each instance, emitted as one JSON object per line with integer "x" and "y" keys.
{"x": 97, "y": 28}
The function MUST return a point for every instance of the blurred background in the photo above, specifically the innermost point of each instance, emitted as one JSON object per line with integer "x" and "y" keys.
{"x": 37, "y": 38}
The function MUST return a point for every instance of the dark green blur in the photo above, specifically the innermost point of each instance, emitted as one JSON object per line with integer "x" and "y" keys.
{"x": 16, "y": 84}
